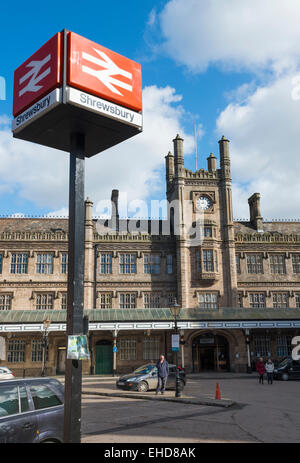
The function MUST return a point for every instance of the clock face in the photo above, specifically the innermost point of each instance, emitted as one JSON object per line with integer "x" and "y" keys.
{"x": 204, "y": 203}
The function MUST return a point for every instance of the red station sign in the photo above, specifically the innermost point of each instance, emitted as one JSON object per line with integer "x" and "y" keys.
{"x": 102, "y": 72}
{"x": 38, "y": 75}
{"x": 72, "y": 84}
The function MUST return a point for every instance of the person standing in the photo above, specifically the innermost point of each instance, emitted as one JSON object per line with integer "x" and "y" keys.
{"x": 162, "y": 374}
{"x": 260, "y": 368}
{"x": 269, "y": 369}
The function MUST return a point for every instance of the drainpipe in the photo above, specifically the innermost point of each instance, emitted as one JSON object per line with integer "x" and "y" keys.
{"x": 95, "y": 275}
{"x": 115, "y": 334}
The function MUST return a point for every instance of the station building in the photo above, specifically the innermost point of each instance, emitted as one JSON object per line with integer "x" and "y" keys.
{"x": 238, "y": 287}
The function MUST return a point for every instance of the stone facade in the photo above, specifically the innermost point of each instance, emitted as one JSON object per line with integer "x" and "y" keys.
{"x": 234, "y": 264}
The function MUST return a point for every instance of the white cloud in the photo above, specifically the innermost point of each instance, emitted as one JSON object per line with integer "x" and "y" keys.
{"x": 250, "y": 34}
{"x": 152, "y": 18}
{"x": 134, "y": 167}
{"x": 40, "y": 174}
{"x": 62, "y": 212}
{"x": 264, "y": 133}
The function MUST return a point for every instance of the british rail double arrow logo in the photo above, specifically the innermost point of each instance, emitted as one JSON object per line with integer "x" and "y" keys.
{"x": 106, "y": 75}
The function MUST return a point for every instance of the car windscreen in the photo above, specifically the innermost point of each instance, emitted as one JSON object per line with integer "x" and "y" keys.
{"x": 283, "y": 362}
{"x": 144, "y": 370}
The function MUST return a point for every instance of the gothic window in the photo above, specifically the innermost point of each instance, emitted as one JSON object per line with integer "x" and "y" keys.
{"x": 257, "y": 300}
{"x": 127, "y": 348}
{"x": 277, "y": 263}
{"x": 208, "y": 300}
{"x": 262, "y": 346}
{"x": 19, "y": 263}
{"x": 284, "y": 346}
{"x": 152, "y": 263}
{"x": 127, "y": 263}
{"x": 280, "y": 300}
{"x": 44, "y": 263}
{"x": 44, "y": 301}
{"x": 254, "y": 263}
{"x": 5, "y": 301}
{"x": 150, "y": 349}
{"x": 151, "y": 301}
{"x": 105, "y": 263}
{"x": 16, "y": 351}
{"x": 296, "y": 263}
{"x": 106, "y": 301}
{"x": 64, "y": 262}
{"x": 127, "y": 301}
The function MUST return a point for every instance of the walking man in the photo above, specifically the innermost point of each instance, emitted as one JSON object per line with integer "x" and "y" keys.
{"x": 162, "y": 374}
{"x": 269, "y": 369}
{"x": 260, "y": 368}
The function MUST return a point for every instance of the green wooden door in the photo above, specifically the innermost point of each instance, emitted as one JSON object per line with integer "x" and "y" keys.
{"x": 104, "y": 360}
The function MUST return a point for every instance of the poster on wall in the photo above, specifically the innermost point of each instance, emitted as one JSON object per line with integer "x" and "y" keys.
{"x": 175, "y": 342}
{"x": 78, "y": 347}
{"x": 2, "y": 348}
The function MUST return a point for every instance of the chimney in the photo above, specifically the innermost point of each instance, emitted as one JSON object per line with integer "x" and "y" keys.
{"x": 114, "y": 210}
{"x": 212, "y": 163}
{"x": 224, "y": 157}
{"x": 178, "y": 156}
{"x": 255, "y": 213}
{"x": 88, "y": 210}
{"x": 169, "y": 168}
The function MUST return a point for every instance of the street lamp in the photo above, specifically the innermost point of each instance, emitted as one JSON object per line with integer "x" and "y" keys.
{"x": 46, "y": 323}
{"x": 175, "y": 311}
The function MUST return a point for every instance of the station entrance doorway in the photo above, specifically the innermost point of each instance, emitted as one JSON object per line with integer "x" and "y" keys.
{"x": 210, "y": 353}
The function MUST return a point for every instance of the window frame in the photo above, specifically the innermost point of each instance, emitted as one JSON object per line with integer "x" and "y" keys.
{"x": 44, "y": 305}
{"x": 152, "y": 263}
{"x": 276, "y": 267}
{"x": 105, "y": 267}
{"x": 6, "y": 304}
{"x": 125, "y": 348}
{"x": 257, "y": 304}
{"x": 296, "y": 263}
{"x": 132, "y": 300}
{"x": 127, "y": 263}
{"x": 46, "y": 264}
{"x": 208, "y": 304}
{"x": 19, "y": 263}
{"x": 254, "y": 264}
{"x": 11, "y": 358}
{"x": 278, "y": 300}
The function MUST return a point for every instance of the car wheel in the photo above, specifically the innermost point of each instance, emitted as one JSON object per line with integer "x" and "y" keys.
{"x": 142, "y": 387}
{"x": 285, "y": 377}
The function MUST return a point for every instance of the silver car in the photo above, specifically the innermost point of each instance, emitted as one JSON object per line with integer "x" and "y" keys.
{"x": 31, "y": 410}
{"x": 144, "y": 378}
{"x": 6, "y": 373}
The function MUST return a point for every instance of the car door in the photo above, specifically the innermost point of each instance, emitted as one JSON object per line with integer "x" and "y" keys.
{"x": 49, "y": 409}
{"x": 294, "y": 371}
{"x": 171, "y": 381}
{"x": 152, "y": 378}
{"x": 18, "y": 423}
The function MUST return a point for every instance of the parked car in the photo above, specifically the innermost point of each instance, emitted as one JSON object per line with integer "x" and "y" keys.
{"x": 31, "y": 410}
{"x": 6, "y": 373}
{"x": 287, "y": 369}
{"x": 144, "y": 378}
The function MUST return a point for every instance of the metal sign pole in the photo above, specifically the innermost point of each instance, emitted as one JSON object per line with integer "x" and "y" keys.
{"x": 73, "y": 375}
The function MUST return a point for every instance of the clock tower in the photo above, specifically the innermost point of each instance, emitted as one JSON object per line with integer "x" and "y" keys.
{"x": 206, "y": 267}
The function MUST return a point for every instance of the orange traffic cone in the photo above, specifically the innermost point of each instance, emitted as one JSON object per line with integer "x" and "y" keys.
{"x": 218, "y": 393}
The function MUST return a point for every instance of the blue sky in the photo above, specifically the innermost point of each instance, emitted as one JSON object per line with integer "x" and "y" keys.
{"x": 229, "y": 65}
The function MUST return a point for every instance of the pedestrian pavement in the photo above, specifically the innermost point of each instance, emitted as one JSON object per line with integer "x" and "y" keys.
{"x": 106, "y": 386}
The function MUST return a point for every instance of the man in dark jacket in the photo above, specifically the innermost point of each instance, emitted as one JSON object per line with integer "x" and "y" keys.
{"x": 162, "y": 374}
